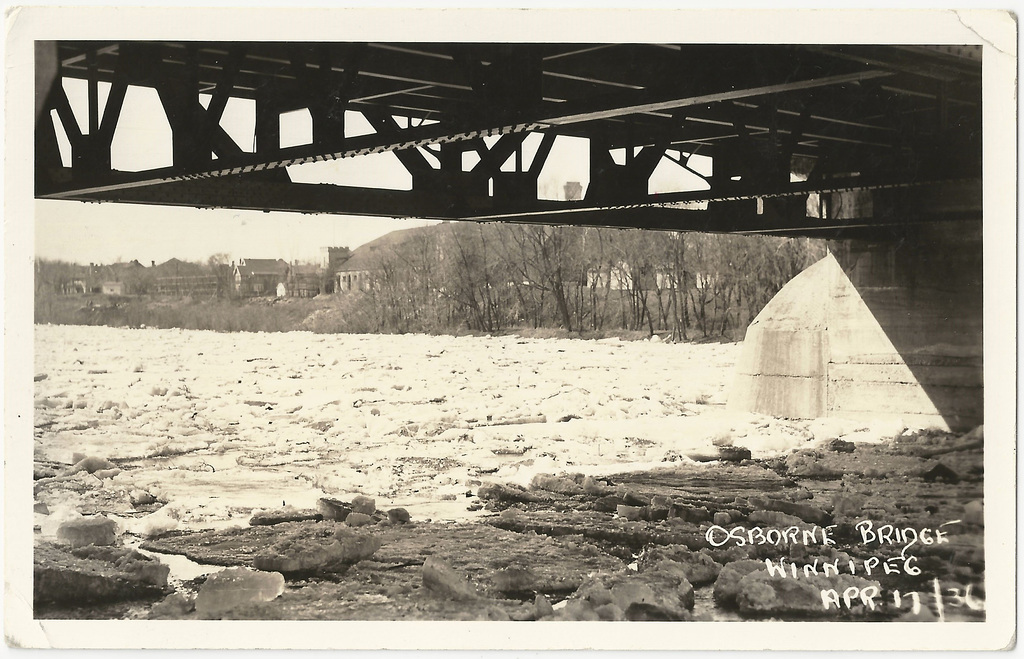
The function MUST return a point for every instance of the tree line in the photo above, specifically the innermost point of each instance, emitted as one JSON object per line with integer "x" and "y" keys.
{"x": 64, "y": 278}
{"x": 478, "y": 277}
{"x": 493, "y": 277}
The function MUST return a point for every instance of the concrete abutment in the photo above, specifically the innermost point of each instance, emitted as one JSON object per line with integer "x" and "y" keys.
{"x": 891, "y": 329}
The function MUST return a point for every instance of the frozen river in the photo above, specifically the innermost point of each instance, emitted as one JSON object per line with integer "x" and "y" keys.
{"x": 217, "y": 425}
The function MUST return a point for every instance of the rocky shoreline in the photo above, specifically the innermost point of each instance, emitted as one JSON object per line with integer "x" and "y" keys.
{"x": 714, "y": 537}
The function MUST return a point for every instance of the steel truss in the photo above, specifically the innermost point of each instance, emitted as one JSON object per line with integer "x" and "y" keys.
{"x": 781, "y": 123}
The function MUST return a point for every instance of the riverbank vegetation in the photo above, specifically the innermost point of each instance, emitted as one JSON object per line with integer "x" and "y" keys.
{"x": 474, "y": 278}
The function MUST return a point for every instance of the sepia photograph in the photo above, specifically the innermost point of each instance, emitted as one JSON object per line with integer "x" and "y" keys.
{"x": 514, "y": 321}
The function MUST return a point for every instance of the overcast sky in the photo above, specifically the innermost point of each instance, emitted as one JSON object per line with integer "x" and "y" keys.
{"x": 106, "y": 233}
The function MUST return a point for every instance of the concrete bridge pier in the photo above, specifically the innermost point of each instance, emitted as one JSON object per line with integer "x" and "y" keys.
{"x": 889, "y": 329}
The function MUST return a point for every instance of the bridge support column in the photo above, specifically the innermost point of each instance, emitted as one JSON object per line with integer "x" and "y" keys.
{"x": 875, "y": 330}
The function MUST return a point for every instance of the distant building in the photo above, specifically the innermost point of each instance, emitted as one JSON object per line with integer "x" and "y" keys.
{"x": 357, "y": 273}
{"x": 131, "y": 278}
{"x": 260, "y": 276}
{"x": 620, "y": 277}
{"x": 331, "y": 259}
{"x": 304, "y": 280}
{"x": 112, "y": 288}
{"x": 181, "y": 278}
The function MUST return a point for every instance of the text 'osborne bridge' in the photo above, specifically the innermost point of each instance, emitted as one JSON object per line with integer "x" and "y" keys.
{"x": 875, "y": 147}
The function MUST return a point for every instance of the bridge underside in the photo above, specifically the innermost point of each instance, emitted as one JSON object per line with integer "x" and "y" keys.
{"x": 793, "y": 133}
{"x": 869, "y": 143}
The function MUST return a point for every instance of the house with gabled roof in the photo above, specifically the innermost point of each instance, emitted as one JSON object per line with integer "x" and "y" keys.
{"x": 260, "y": 276}
{"x": 120, "y": 278}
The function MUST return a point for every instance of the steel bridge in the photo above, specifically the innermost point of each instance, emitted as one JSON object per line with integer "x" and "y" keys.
{"x": 875, "y": 147}
{"x": 879, "y": 135}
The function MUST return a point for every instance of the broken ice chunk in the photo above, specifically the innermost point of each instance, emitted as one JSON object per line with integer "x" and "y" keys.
{"x": 228, "y": 589}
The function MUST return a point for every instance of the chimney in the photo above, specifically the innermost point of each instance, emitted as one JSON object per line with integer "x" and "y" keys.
{"x": 152, "y": 264}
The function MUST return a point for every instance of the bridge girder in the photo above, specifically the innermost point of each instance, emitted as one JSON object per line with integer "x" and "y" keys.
{"x": 783, "y": 125}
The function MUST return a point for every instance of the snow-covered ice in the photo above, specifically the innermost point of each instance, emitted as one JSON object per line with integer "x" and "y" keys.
{"x": 217, "y": 425}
